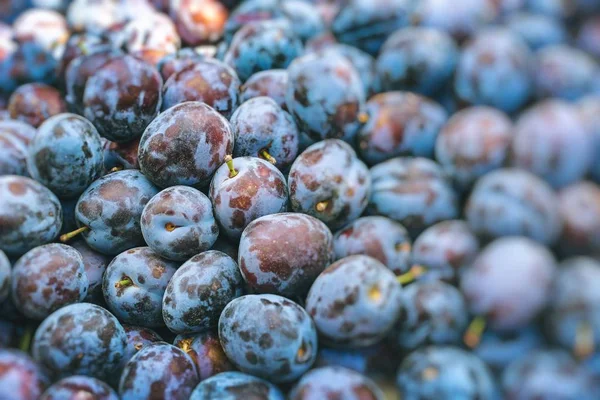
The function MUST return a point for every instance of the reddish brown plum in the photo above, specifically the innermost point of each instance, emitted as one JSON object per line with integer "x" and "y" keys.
{"x": 400, "y": 124}
{"x": 47, "y": 278}
{"x": 45, "y": 27}
{"x": 381, "y": 238}
{"x": 178, "y": 223}
{"x": 579, "y": 206}
{"x": 137, "y": 338}
{"x": 122, "y": 97}
{"x": 263, "y": 129}
{"x": 120, "y": 156}
{"x": 256, "y": 190}
{"x": 284, "y": 253}
{"x": 330, "y": 183}
{"x": 335, "y": 383}
{"x": 185, "y": 145}
{"x": 78, "y": 45}
{"x": 206, "y": 351}
{"x": 34, "y": 103}
{"x": 270, "y": 83}
{"x": 209, "y": 81}
{"x": 21, "y": 378}
{"x": 94, "y": 264}
{"x": 79, "y": 387}
{"x": 198, "y": 21}
{"x": 178, "y": 61}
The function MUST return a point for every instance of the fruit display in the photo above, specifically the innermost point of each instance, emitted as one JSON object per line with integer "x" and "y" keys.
{"x": 299, "y": 199}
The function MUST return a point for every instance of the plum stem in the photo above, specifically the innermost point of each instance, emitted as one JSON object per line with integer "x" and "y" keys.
{"x": 363, "y": 117}
{"x": 123, "y": 283}
{"x": 116, "y": 169}
{"x": 229, "y": 162}
{"x": 169, "y": 226}
{"x": 321, "y": 206}
{"x": 413, "y": 273}
{"x": 186, "y": 344}
{"x": 68, "y": 236}
{"x": 25, "y": 342}
{"x": 474, "y": 331}
{"x": 265, "y": 154}
{"x": 584, "y": 340}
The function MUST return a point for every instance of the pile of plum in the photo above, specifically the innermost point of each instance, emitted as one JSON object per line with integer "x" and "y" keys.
{"x": 299, "y": 199}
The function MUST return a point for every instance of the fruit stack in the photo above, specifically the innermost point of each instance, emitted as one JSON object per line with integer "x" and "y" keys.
{"x": 299, "y": 199}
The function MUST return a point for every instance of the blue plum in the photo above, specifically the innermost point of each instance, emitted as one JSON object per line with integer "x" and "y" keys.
{"x": 236, "y": 386}
{"x": 588, "y": 34}
{"x": 118, "y": 156}
{"x": 257, "y": 189}
{"x": 137, "y": 338}
{"x": 109, "y": 211}
{"x": 417, "y": 59}
{"x": 284, "y": 253}
{"x": 474, "y": 142}
{"x": 178, "y": 223}
{"x": 580, "y": 211}
{"x": 537, "y": 30}
{"x": 335, "y": 382}
{"x": 79, "y": 386}
{"x": 355, "y": 302}
{"x": 400, "y": 124}
{"x": 5, "y": 277}
{"x": 413, "y": 191}
{"x": 66, "y": 155}
{"x": 379, "y": 237}
{"x": 159, "y": 370}
{"x": 14, "y": 140}
{"x": 270, "y": 83}
{"x": 134, "y": 284}
{"x": 513, "y": 202}
{"x": 262, "y": 45}
{"x": 363, "y": 62}
{"x": 589, "y": 110}
{"x": 263, "y": 129}
{"x": 199, "y": 290}
{"x": 509, "y": 283}
{"x": 325, "y": 95}
{"x": 80, "y": 339}
{"x": 206, "y": 351}
{"x": 21, "y": 377}
{"x": 281, "y": 350}
{"x": 30, "y": 215}
{"x": 185, "y": 145}
{"x": 444, "y": 372}
{"x": 47, "y": 278}
{"x": 495, "y": 69}
{"x": 94, "y": 264}
{"x": 328, "y": 182}
{"x": 434, "y": 313}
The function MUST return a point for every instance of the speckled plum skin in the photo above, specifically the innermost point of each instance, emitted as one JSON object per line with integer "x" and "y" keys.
{"x": 5, "y": 276}
{"x": 270, "y": 83}
{"x": 257, "y": 190}
{"x": 494, "y": 69}
{"x": 47, "y": 278}
{"x": 139, "y": 302}
{"x": 208, "y": 81}
{"x": 185, "y": 145}
{"x": 444, "y": 372}
{"x": 284, "y": 253}
{"x": 400, "y": 124}
{"x": 474, "y": 142}
{"x": 564, "y": 72}
{"x": 13, "y": 152}
{"x": 261, "y": 124}
{"x": 575, "y": 300}
{"x": 547, "y": 374}
{"x": 354, "y": 302}
{"x": 206, "y": 351}
{"x": 30, "y": 215}
{"x": 444, "y": 249}
{"x": 580, "y": 211}
{"x": 335, "y": 382}
{"x": 112, "y": 208}
{"x": 121, "y": 155}
{"x": 138, "y": 337}
{"x": 175, "y": 62}
{"x": 159, "y": 370}
{"x": 80, "y": 339}
{"x": 94, "y": 264}
{"x": 280, "y": 350}
{"x": 66, "y": 155}
{"x": 381, "y": 238}
{"x": 190, "y": 213}
{"x": 122, "y": 97}
{"x": 363, "y": 62}
{"x": 79, "y": 387}
{"x": 199, "y": 290}
{"x": 236, "y": 386}
{"x": 34, "y": 103}
{"x": 413, "y": 191}
{"x": 325, "y": 96}
{"x": 417, "y": 59}
{"x": 262, "y": 45}
{"x": 509, "y": 282}
{"x": 20, "y": 377}
{"x": 551, "y": 141}
{"x": 78, "y": 45}
{"x": 434, "y": 313}
{"x": 512, "y": 202}
{"x": 329, "y": 173}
